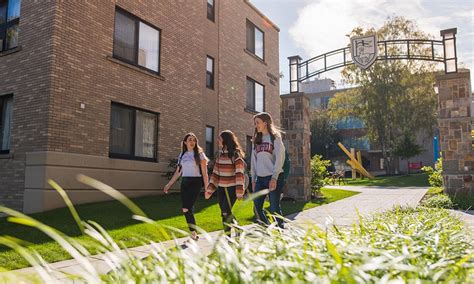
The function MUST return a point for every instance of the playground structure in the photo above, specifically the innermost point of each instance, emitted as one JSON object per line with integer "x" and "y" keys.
{"x": 355, "y": 161}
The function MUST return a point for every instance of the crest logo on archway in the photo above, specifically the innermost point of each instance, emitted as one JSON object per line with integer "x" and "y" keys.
{"x": 364, "y": 50}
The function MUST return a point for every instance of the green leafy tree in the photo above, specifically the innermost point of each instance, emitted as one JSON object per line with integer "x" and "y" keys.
{"x": 392, "y": 97}
{"x": 407, "y": 148}
{"x": 324, "y": 135}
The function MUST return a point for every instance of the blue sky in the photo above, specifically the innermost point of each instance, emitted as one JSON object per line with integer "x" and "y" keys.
{"x": 312, "y": 27}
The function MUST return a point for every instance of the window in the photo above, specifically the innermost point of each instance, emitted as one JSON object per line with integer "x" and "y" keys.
{"x": 133, "y": 133}
{"x": 255, "y": 40}
{"x": 210, "y": 10}
{"x": 248, "y": 154}
{"x": 255, "y": 96}
{"x": 210, "y": 142}
{"x": 210, "y": 72}
{"x": 136, "y": 42}
{"x": 314, "y": 102}
{"x": 6, "y": 105}
{"x": 325, "y": 102}
{"x": 9, "y": 23}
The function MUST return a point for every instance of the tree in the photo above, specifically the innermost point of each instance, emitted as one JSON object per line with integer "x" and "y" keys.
{"x": 407, "y": 148}
{"x": 324, "y": 135}
{"x": 393, "y": 97}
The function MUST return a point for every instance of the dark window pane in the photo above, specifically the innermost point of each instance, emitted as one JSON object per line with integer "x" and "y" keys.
{"x": 259, "y": 96}
{"x": 209, "y": 80}
{"x": 145, "y": 134}
{"x": 124, "y": 37}
{"x": 258, "y": 43}
{"x": 13, "y": 9}
{"x": 250, "y": 94}
{"x": 209, "y": 142}
{"x": 3, "y": 11}
{"x": 210, "y": 73}
{"x": 12, "y": 37}
{"x": 6, "y": 105}
{"x": 121, "y": 130}
{"x": 148, "y": 47}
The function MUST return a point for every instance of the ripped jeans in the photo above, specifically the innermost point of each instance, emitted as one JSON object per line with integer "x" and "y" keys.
{"x": 227, "y": 198}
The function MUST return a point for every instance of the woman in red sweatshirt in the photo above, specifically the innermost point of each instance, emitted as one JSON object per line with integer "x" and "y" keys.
{"x": 228, "y": 176}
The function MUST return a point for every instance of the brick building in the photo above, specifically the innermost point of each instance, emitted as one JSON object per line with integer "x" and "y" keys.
{"x": 109, "y": 88}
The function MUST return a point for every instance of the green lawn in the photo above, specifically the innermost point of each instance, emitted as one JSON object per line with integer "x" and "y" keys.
{"x": 402, "y": 181}
{"x": 116, "y": 219}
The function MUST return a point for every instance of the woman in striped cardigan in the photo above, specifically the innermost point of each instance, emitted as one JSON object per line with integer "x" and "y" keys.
{"x": 228, "y": 176}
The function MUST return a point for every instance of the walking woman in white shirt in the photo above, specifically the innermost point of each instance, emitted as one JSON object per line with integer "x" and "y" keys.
{"x": 268, "y": 156}
{"x": 192, "y": 166}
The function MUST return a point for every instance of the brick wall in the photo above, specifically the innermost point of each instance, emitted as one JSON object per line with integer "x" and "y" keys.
{"x": 25, "y": 73}
{"x": 455, "y": 132}
{"x": 66, "y": 60}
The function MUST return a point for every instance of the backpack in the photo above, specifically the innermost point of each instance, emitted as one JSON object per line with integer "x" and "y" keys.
{"x": 286, "y": 166}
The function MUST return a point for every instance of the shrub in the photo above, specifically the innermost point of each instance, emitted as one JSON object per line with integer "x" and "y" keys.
{"x": 319, "y": 173}
{"x": 438, "y": 201}
{"x": 435, "y": 177}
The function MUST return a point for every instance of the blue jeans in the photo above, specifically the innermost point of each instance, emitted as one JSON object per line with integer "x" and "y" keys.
{"x": 274, "y": 197}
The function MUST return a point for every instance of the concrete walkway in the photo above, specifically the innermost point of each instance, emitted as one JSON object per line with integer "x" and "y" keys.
{"x": 370, "y": 200}
{"x": 342, "y": 212}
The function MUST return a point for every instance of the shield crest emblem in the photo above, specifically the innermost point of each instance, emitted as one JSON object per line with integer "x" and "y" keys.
{"x": 364, "y": 50}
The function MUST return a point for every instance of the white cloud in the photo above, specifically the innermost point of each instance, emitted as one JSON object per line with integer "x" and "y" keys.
{"x": 322, "y": 25}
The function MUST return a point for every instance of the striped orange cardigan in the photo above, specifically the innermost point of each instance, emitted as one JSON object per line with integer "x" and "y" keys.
{"x": 227, "y": 174}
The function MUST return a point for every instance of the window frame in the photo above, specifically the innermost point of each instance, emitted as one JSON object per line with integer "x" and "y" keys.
{"x": 211, "y": 86}
{"x": 250, "y": 23}
{"x": 132, "y": 145}
{"x": 137, "y": 21}
{"x": 255, "y": 96}
{"x": 211, "y": 17}
{"x": 5, "y": 26}
{"x": 6, "y": 97}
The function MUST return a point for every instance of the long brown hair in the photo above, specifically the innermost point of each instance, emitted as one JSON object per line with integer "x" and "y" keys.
{"x": 231, "y": 143}
{"x": 272, "y": 129}
{"x": 197, "y": 149}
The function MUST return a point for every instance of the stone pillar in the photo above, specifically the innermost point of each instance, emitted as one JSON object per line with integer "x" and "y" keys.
{"x": 455, "y": 120}
{"x": 295, "y": 120}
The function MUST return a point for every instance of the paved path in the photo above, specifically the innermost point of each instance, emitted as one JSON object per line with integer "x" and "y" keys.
{"x": 370, "y": 200}
{"x": 343, "y": 212}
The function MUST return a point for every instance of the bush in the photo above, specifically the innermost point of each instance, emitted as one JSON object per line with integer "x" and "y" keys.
{"x": 435, "y": 178}
{"x": 438, "y": 201}
{"x": 319, "y": 173}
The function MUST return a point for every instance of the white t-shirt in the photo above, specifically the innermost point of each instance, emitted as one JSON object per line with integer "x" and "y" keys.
{"x": 189, "y": 167}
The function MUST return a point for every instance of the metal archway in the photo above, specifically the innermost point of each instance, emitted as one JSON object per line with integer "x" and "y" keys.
{"x": 439, "y": 51}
